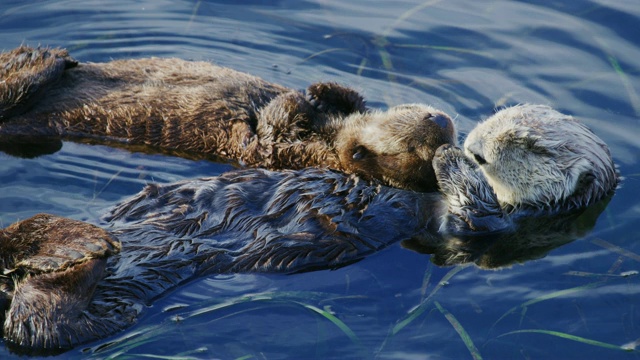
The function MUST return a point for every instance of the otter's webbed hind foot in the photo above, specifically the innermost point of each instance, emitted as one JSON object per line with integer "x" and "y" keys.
{"x": 47, "y": 311}
{"x": 53, "y": 265}
{"x": 473, "y": 206}
{"x": 27, "y": 72}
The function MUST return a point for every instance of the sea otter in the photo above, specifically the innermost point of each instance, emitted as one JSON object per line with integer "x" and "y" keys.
{"x": 256, "y": 220}
{"x": 199, "y": 108}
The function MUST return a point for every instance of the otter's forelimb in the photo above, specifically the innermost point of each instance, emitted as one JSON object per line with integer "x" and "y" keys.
{"x": 473, "y": 206}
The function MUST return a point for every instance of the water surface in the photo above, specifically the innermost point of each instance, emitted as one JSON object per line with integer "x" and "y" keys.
{"x": 467, "y": 58}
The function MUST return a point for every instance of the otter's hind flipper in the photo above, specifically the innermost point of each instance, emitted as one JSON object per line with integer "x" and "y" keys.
{"x": 473, "y": 206}
{"x": 48, "y": 310}
{"x": 51, "y": 266}
{"x": 25, "y": 73}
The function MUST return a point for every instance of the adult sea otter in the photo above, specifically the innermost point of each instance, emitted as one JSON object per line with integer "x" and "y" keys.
{"x": 525, "y": 176}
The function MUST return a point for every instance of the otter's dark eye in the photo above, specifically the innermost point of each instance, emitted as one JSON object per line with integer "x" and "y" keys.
{"x": 360, "y": 152}
{"x": 479, "y": 159}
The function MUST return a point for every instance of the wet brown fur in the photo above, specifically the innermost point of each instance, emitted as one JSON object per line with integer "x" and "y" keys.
{"x": 201, "y": 108}
{"x": 55, "y": 261}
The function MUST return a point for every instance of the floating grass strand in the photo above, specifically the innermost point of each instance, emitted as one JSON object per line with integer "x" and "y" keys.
{"x": 616, "y": 249}
{"x": 631, "y": 345}
{"x": 153, "y": 333}
{"x": 569, "y": 337}
{"x": 151, "y": 356}
{"x": 407, "y": 14}
{"x": 412, "y": 315}
{"x": 418, "y": 310}
{"x": 283, "y": 296}
{"x": 387, "y": 63}
{"x": 549, "y": 296}
{"x": 446, "y": 48}
{"x": 590, "y": 274}
{"x": 129, "y": 341}
{"x": 362, "y": 66}
{"x": 633, "y": 96}
{"x": 426, "y": 279}
{"x": 245, "y": 357}
{"x": 339, "y": 323}
{"x": 320, "y": 53}
{"x": 115, "y": 176}
{"x": 194, "y": 14}
{"x": 460, "y": 330}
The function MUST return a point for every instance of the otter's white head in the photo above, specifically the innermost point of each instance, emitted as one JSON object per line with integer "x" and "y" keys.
{"x": 532, "y": 154}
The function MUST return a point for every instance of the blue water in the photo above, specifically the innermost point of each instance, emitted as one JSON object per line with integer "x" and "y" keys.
{"x": 465, "y": 57}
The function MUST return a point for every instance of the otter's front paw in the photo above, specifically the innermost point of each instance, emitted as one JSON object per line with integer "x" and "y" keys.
{"x": 335, "y": 99}
{"x": 472, "y": 203}
{"x": 454, "y": 171}
{"x": 47, "y": 243}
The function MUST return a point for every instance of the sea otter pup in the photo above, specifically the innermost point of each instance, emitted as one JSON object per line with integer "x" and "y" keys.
{"x": 199, "y": 108}
{"x": 256, "y": 220}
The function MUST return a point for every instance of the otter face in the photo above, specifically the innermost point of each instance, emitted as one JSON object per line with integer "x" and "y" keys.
{"x": 396, "y": 146}
{"x": 532, "y": 154}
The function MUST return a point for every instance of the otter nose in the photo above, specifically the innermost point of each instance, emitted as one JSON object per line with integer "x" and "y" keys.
{"x": 441, "y": 120}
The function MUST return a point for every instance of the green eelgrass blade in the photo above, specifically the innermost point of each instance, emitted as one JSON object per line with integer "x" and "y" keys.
{"x": 194, "y": 14}
{"x": 386, "y": 61}
{"x": 617, "y": 249}
{"x": 245, "y": 357}
{"x": 549, "y": 296}
{"x": 115, "y": 176}
{"x": 598, "y": 275}
{"x": 164, "y": 357}
{"x": 279, "y": 298}
{"x": 418, "y": 310}
{"x": 633, "y": 96}
{"x": 412, "y": 315}
{"x": 128, "y": 341}
{"x": 337, "y": 322}
{"x": 460, "y": 330}
{"x": 316, "y": 54}
{"x": 446, "y": 48}
{"x": 152, "y": 333}
{"x": 568, "y": 337}
{"x": 426, "y": 279}
{"x": 407, "y": 14}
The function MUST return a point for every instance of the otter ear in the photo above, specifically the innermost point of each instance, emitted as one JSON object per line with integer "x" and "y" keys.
{"x": 360, "y": 152}
{"x": 584, "y": 182}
